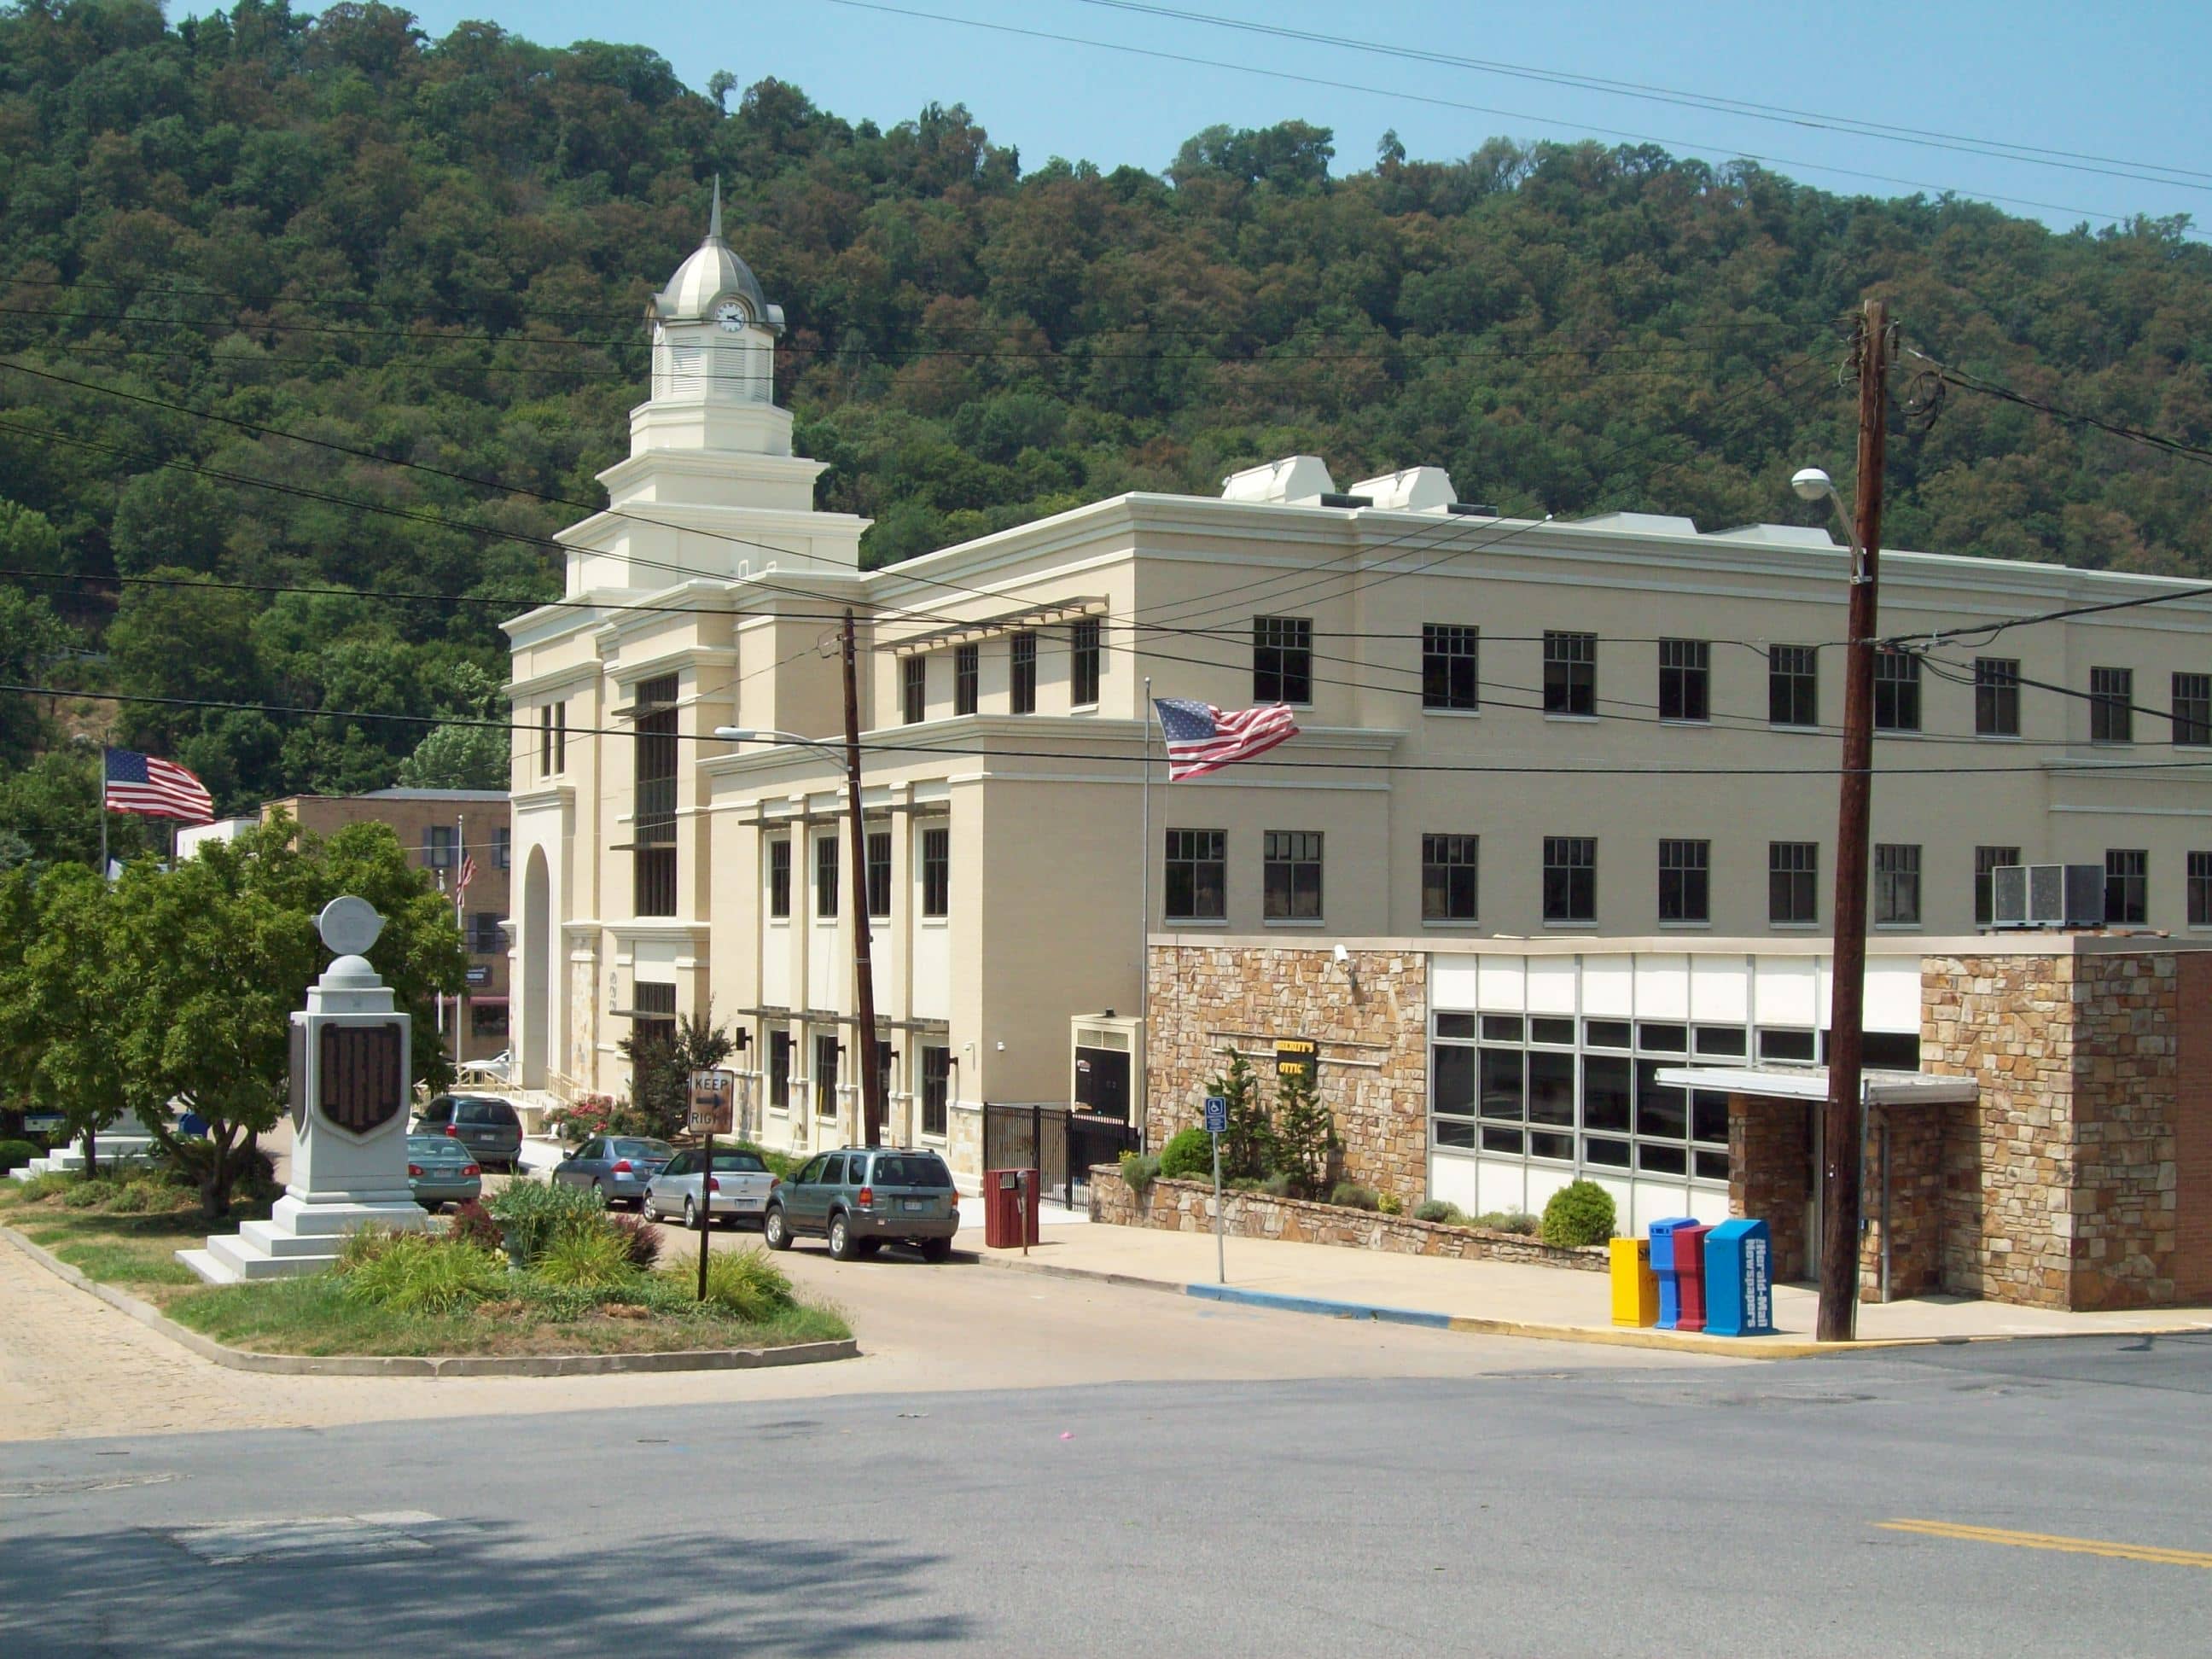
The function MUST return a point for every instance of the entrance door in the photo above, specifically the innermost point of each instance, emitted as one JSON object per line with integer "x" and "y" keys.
{"x": 1102, "y": 1082}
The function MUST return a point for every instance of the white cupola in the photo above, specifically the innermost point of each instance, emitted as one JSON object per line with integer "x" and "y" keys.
{"x": 713, "y": 357}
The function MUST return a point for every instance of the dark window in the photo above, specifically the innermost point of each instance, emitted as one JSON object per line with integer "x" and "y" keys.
{"x": 1084, "y": 651}
{"x": 1897, "y": 883}
{"x": 1788, "y": 1044}
{"x": 1987, "y": 860}
{"x": 487, "y": 1019}
{"x": 937, "y": 872}
{"x": 652, "y": 1013}
{"x": 1449, "y": 873}
{"x": 545, "y": 741}
{"x": 1291, "y": 875}
{"x": 502, "y": 848}
{"x": 1570, "y": 879}
{"x": 879, "y": 872}
{"x": 1686, "y": 880}
{"x": 936, "y": 1088}
{"x": 1896, "y": 691}
{"x": 967, "y": 677}
{"x": 1021, "y": 683}
{"x": 914, "y": 688}
{"x": 653, "y": 815}
{"x": 2200, "y": 889}
{"x": 2111, "y": 711}
{"x": 1282, "y": 659}
{"x": 1685, "y": 680}
{"x": 779, "y": 877}
{"x": 484, "y": 937}
{"x": 1197, "y": 879}
{"x": 779, "y": 1071}
{"x": 2127, "y": 885}
{"x": 925, "y": 1170}
{"x": 1996, "y": 697}
{"x": 1793, "y": 867}
{"x": 825, "y": 876}
{"x": 1569, "y": 673}
{"x": 1793, "y": 685}
{"x": 825, "y": 1079}
{"x": 560, "y": 737}
{"x": 2192, "y": 709}
{"x": 1449, "y": 678}
{"x": 438, "y": 843}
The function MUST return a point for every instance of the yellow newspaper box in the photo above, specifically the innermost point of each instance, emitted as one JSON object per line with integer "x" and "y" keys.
{"x": 1634, "y": 1286}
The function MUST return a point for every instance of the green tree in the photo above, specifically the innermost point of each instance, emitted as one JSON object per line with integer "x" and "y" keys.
{"x": 1304, "y": 1133}
{"x": 30, "y": 637}
{"x": 1248, "y": 1146}
{"x": 219, "y": 953}
{"x": 661, "y": 1069}
{"x": 62, "y": 999}
{"x": 54, "y": 806}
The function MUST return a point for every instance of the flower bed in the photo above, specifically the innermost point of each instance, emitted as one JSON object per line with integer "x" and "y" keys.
{"x": 1188, "y": 1207}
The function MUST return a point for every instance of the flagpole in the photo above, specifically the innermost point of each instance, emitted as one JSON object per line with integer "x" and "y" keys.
{"x": 460, "y": 925}
{"x": 103, "y": 812}
{"x": 1145, "y": 932}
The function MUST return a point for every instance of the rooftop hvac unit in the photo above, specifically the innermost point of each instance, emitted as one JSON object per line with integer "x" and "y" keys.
{"x": 2047, "y": 895}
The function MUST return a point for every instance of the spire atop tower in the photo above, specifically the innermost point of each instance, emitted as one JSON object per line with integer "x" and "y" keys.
{"x": 714, "y": 220}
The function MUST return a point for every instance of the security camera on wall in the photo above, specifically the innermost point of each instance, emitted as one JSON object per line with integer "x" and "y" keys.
{"x": 1343, "y": 956}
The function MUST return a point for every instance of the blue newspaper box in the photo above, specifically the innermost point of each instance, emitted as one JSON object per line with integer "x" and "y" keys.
{"x": 1662, "y": 1263}
{"x": 1738, "y": 1280}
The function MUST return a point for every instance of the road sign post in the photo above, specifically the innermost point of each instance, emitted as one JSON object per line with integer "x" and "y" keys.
{"x": 1217, "y": 1122}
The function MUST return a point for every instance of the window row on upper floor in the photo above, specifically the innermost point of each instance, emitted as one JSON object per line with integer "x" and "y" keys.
{"x": 1085, "y": 668}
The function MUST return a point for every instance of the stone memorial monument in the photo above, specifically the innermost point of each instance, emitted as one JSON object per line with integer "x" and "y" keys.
{"x": 351, "y": 1091}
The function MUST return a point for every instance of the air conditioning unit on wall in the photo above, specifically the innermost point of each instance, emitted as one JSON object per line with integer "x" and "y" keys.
{"x": 2047, "y": 895}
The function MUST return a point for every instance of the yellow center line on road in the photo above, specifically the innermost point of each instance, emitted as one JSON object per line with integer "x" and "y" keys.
{"x": 2045, "y": 1540}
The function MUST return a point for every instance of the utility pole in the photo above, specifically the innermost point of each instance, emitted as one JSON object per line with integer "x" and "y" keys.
{"x": 1842, "y": 1127}
{"x": 864, "y": 973}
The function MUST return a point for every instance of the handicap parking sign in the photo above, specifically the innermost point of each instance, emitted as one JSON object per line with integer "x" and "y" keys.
{"x": 1217, "y": 1114}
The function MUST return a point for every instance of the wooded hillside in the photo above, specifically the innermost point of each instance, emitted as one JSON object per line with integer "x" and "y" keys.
{"x": 436, "y": 252}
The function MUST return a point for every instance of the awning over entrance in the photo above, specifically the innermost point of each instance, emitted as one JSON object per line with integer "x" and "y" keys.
{"x": 1876, "y": 1088}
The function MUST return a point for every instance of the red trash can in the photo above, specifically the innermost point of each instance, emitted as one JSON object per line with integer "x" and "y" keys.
{"x": 1690, "y": 1274}
{"x": 1009, "y": 1208}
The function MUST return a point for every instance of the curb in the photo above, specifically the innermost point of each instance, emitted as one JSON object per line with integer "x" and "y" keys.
{"x": 564, "y": 1364}
{"x": 1725, "y": 1347}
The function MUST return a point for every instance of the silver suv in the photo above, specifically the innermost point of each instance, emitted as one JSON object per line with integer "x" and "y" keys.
{"x": 862, "y": 1197}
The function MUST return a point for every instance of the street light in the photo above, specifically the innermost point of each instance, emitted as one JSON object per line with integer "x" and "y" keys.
{"x": 873, "y": 1107}
{"x": 1812, "y": 484}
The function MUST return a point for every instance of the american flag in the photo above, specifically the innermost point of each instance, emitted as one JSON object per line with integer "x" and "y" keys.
{"x": 1202, "y": 739}
{"x": 468, "y": 873}
{"x": 132, "y": 782}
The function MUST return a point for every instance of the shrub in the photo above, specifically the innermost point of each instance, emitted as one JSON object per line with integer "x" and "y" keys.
{"x": 15, "y": 1154}
{"x": 1281, "y": 1184}
{"x": 1437, "y": 1209}
{"x": 1304, "y": 1135}
{"x": 743, "y": 1283}
{"x": 415, "y": 1272}
{"x": 1390, "y": 1204}
{"x": 1189, "y": 1156}
{"x": 1248, "y": 1146}
{"x": 138, "y": 1197}
{"x": 535, "y": 1213}
{"x": 589, "y": 1258}
{"x": 88, "y": 1193}
{"x": 1138, "y": 1170}
{"x": 1350, "y": 1196}
{"x": 45, "y": 1186}
{"x": 470, "y": 1223}
{"x": 1509, "y": 1221}
{"x": 1580, "y": 1212}
{"x": 641, "y": 1239}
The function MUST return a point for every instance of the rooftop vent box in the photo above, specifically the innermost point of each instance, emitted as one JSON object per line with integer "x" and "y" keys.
{"x": 1293, "y": 478}
{"x": 1414, "y": 490}
{"x": 2047, "y": 895}
{"x": 1473, "y": 509}
{"x": 1347, "y": 500}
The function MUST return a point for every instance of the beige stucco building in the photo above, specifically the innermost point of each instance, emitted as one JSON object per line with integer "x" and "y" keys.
{"x": 1614, "y": 729}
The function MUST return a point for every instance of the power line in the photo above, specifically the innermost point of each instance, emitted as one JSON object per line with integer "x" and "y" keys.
{"x": 991, "y": 752}
{"x": 2159, "y": 440}
{"x": 1989, "y": 631}
{"x": 1336, "y": 84}
{"x": 1953, "y": 673}
{"x": 1994, "y": 149}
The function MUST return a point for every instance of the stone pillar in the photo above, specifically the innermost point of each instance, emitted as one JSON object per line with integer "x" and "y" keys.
{"x": 1771, "y": 1173}
{"x": 351, "y": 1088}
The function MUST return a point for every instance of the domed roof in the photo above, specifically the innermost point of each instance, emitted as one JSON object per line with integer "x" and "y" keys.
{"x": 712, "y": 273}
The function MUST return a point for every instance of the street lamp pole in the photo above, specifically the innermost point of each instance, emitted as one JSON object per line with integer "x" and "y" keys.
{"x": 864, "y": 976}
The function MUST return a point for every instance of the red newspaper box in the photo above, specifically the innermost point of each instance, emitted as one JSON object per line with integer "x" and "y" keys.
{"x": 1010, "y": 1208}
{"x": 1690, "y": 1275}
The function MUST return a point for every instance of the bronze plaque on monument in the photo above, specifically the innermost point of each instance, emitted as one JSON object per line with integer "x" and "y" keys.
{"x": 296, "y": 1081}
{"x": 363, "y": 1085}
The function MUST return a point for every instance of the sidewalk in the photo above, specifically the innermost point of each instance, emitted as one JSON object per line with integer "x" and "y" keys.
{"x": 1517, "y": 1299}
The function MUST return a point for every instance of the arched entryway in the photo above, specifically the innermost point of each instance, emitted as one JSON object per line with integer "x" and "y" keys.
{"x": 535, "y": 1034}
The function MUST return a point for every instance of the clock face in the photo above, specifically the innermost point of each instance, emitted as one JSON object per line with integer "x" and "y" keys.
{"x": 729, "y": 316}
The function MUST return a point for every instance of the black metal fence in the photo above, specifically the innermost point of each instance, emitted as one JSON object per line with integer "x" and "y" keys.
{"x": 1059, "y": 1143}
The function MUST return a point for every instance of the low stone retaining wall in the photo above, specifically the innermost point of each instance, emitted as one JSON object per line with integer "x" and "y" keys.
{"x": 1187, "y": 1206}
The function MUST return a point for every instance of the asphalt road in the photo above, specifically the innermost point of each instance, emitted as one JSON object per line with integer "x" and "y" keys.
{"x": 1588, "y": 1508}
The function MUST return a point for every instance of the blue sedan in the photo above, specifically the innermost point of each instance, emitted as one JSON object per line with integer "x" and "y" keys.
{"x": 618, "y": 1165}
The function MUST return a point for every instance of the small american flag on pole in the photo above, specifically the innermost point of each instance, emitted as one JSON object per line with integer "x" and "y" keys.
{"x": 1200, "y": 739}
{"x": 468, "y": 873}
{"x": 132, "y": 782}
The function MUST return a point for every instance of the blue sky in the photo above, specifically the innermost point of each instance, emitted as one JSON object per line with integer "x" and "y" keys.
{"x": 2120, "y": 82}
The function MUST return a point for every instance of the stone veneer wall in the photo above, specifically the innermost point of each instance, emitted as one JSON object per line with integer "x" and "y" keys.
{"x": 1770, "y": 1173}
{"x": 1187, "y": 1206}
{"x": 2063, "y": 1182}
{"x": 1918, "y": 1138}
{"x": 1371, "y": 1024}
